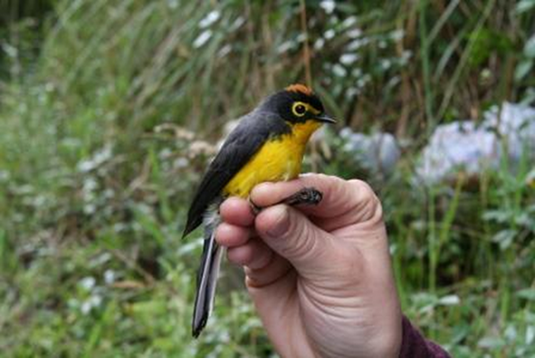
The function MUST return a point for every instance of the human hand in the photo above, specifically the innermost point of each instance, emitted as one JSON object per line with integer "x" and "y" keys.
{"x": 320, "y": 276}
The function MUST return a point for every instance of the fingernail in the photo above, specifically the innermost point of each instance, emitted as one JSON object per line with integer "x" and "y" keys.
{"x": 281, "y": 221}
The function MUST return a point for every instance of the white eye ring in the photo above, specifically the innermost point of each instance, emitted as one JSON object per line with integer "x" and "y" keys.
{"x": 299, "y": 109}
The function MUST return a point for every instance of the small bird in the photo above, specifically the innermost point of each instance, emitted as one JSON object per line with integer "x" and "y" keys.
{"x": 267, "y": 145}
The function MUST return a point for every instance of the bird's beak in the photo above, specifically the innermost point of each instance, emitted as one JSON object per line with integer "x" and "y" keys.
{"x": 325, "y": 119}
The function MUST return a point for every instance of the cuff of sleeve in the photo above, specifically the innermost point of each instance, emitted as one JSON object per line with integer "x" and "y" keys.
{"x": 414, "y": 345}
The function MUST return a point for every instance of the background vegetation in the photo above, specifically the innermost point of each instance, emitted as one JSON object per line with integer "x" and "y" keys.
{"x": 109, "y": 111}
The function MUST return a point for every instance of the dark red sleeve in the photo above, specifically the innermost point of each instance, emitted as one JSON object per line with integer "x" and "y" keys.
{"x": 414, "y": 345}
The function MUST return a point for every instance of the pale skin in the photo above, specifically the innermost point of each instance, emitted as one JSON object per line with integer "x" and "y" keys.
{"x": 320, "y": 276}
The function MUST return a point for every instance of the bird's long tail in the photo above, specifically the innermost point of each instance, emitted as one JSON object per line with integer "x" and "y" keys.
{"x": 206, "y": 277}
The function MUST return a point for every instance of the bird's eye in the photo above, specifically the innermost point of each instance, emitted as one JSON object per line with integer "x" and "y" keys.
{"x": 299, "y": 109}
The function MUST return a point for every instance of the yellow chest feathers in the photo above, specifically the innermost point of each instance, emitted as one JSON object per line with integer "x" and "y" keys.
{"x": 277, "y": 160}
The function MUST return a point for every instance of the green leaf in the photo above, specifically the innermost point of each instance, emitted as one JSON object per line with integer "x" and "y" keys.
{"x": 529, "y": 47}
{"x": 522, "y": 69}
{"x": 524, "y": 5}
{"x": 449, "y": 300}
{"x": 505, "y": 238}
{"x": 527, "y": 293}
{"x": 491, "y": 342}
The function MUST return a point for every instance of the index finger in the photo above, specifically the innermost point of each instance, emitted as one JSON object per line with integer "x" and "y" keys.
{"x": 340, "y": 197}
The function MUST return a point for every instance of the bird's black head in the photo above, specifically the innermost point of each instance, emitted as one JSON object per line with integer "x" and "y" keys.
{"x": 296, "y": 104}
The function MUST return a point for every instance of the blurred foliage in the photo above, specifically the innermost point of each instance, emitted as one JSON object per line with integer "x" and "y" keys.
{"x": 109, "y": 112}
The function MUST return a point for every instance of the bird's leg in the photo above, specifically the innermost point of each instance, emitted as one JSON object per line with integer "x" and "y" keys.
{"x": 305, "y": 196}
{"x": 256, "y": 209}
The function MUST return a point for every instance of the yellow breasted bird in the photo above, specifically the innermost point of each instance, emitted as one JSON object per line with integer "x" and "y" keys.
{"x": 267, "y": 145}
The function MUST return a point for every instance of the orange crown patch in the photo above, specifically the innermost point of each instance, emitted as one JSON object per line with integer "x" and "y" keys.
{"x": 299, "y": 88}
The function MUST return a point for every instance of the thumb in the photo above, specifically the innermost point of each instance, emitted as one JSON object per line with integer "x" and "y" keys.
{"x": 291, "y": 234}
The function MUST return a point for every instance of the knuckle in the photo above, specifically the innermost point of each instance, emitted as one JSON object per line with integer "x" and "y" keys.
{"x": 367, "y": 202}
{"x": 314, "y": 176}
{"x": 330, "y": 179}
{"x": 320, "y": 179}
{"x": 261, "y": 260}
{"x": 323, "y": 177}
{"x": 363, "y": 190}
{"x": 219, "y": 234}
{"x": 377, "y": 211}
{"x": 250, "y": 281}
{"x": 303, "y": 241}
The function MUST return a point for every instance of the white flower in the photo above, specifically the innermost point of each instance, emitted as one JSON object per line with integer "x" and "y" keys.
{"x": 202, "y": 39}
{"x": 87, "y": 283}
{"x": 318, "y": 44}
{"x": 209, "y": 19}
{"x": 96, "y": 160}
{"x": 462, "y": 145}
{"x": 328, "y": 6}
{"x": 339, "y": 70}
{"x": 350, "y": 21}
{"x": 348, "y": 58}
{"x": 109, "y": 276}
{"x": 329, "y": 34}
{"x": 354, "y": 33}
{"x": 378, "y": 152}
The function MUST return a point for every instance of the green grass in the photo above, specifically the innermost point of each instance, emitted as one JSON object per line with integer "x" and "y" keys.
{"x": 108, "y": 115}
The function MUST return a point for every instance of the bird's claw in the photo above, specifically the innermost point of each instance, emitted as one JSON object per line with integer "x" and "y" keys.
{"x": 256, "y": 209}
{"x": 305, "y": 196}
